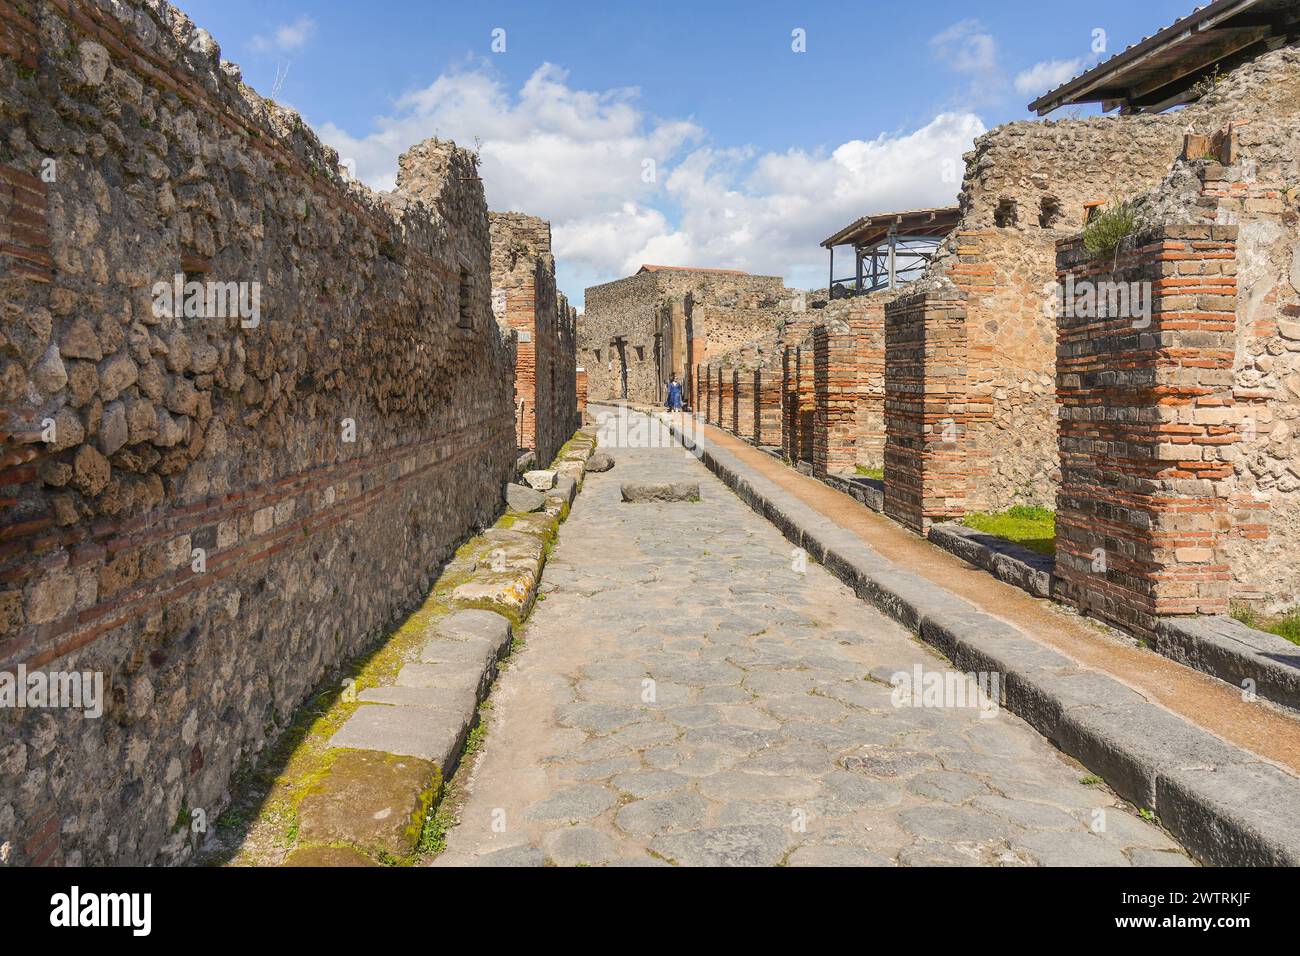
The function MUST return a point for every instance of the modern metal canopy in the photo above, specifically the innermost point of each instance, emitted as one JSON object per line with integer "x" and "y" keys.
{"x": 890, "y": 247}
{"x": 1174, "y": 65}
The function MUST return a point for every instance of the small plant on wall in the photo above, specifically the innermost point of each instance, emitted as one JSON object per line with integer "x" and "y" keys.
{"x": 1108, "y": 228}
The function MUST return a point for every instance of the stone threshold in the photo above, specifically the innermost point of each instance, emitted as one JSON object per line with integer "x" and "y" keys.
{"x": 368, "y": 771}
{"x": 1225, "y": 805}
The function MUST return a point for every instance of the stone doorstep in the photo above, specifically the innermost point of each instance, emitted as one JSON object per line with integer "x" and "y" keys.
{"x": 1005, "y": 560}
{"x": 403, "y": 743}
{"x": 1223, "y": 804}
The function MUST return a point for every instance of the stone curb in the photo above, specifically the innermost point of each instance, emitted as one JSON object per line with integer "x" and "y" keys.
{"x": 867, "y": 494}
{"x": 1223, "y": 804}
{"x": 394, "y": 753}
{"x": 1221, "y": 647}
{"x": 1229, "y": 650}
{"x": 1005, "y": 560}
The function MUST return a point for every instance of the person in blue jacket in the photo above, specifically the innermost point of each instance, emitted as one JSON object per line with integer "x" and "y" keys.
{"x": 674, "y": 402}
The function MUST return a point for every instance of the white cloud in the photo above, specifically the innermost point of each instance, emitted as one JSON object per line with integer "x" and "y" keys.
{"x": 1047, "y": 75}
{"x": 577, "y": 157}
{"x": 967, "y": 48}
{"x": 286, "y": 37}
{"x": 769, "y": 216}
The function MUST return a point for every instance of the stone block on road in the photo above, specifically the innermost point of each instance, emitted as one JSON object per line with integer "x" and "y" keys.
{"x": 661, "y": 491}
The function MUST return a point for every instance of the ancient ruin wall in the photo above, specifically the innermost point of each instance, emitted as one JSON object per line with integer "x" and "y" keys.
{"x": 1245, "y": 175}
{"x": 525, "y": 299}
{"x": 211, "y": 513}
{"x": 1148, "y": 428}
{"x": 629, "y": 310}
{"x": 1026, "y": 186}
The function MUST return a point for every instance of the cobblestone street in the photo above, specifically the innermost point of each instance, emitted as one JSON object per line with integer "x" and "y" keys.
{"x": 685, "y": 695}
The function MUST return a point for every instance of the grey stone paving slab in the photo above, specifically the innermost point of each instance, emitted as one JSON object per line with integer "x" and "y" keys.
{"x": 743, "y": 845}
{"x": 771, "y": 734}
{"x": 575, "y": 803}
{"x": 578, "y": 846}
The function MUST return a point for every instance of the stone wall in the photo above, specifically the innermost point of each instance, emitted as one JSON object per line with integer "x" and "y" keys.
{"x": 1027, "y": 185}
{"x": 212, "y": 513}
{"x": 1244, "y": 175}
{"x": 625, "y": 333}
{"x": 1253, "y": 186}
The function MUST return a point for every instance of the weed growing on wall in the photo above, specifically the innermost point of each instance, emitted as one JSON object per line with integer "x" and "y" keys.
{"x": 1109, "y": 228}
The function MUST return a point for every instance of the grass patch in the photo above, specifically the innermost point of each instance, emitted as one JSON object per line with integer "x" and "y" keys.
{"x": 1286, "y": 624}
{"x": 1108, "y": 229}
{"x": 1026, "y": 525}
{"x": 876, "y": 473}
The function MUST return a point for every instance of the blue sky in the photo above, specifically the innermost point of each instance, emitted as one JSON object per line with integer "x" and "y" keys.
{"x": 758, "y": 151}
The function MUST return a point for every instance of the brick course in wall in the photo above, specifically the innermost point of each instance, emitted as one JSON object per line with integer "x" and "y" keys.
{"x": 1147, "y": 425}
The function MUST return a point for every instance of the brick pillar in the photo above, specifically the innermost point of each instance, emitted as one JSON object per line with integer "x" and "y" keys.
{"x": 581, "y": 385}
{"x": 869, "y": 332}
{"x": 806, "y": 405}
{"x": 745, "y": 404}
{"x": 835, "y": 386}
{"x": 767, "y": 407}
{"x": 707, "y": 385}
{"x": 718, "y": 396}
{"x": 699, "y": 348}
{"x": 925, "y": 414}
{"x": 727, "y": 398}
{"x": 1147, "y": 416}
{"x": 789, "y": 401}
{"x": 521, "y": 315}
